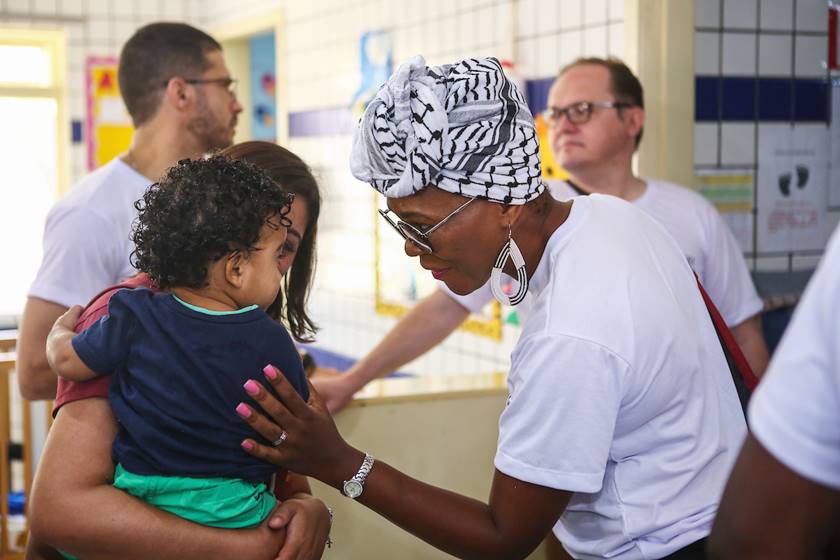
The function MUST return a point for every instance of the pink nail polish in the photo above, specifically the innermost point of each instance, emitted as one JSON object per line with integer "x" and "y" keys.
{"x": 270, "y": 372}
{"x": 251, "y": 387}
{"x": 243, "y": 410}
{"x": 247, "y": 445}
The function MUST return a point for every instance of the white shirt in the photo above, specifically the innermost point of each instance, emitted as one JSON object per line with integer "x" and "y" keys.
{"x": 701, "y": 233}
{"x": 619, "y": 390}
{"x": 87, "y": 236}
{"x": 795, "y": 412}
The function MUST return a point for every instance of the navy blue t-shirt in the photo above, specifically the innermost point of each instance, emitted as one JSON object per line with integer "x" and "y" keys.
{"x": 178, "y": 378}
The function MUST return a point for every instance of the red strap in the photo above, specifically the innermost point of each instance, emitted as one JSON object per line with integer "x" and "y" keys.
{"x": 726, "y": 335}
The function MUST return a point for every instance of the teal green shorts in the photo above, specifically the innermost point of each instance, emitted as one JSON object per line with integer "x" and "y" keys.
{"x": 228, "y": 503}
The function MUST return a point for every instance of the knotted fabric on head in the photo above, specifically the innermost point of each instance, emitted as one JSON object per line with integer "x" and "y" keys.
{"x": 461, "y": 127}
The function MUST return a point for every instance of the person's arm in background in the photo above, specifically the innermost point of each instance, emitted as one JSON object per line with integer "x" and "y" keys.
{"x": 36, "y": 379}
{"x": 728, "y": 282}
{"x": 769, "y": 512}
{"x": 75, "y": 508}
{"x": 421, "y": 329}
{"x": 750, "y": 339}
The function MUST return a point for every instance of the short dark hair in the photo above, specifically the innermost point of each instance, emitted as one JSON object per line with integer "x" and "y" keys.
{"x": 292, "y": 173}
{"x": 201, "y": 211}
{"x": 624, "y": 84}
{"x": 152, "y": 56}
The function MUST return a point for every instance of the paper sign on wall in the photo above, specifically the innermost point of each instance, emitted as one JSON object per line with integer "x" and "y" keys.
{"x": 109, "y": 127}
{"x": 732, "y": 193}
{"x": 792, "y": 179}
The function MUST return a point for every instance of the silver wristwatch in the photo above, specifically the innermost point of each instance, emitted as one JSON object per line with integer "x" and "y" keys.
{"x": 353, "y": 487}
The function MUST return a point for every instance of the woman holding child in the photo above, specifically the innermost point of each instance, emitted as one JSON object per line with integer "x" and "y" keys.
{"x": 75, "y": 508}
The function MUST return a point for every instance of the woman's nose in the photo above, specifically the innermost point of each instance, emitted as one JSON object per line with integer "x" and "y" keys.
{"x": 412, "y": 249}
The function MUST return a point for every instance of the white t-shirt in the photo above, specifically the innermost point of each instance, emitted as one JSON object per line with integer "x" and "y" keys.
{"x": 619, "y": 390}
{"x": 795, "y": 412}
{"x": 701, "y": 233}
{"x": 87, "y": 236}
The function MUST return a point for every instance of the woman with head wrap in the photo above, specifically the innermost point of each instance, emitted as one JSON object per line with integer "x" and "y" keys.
{"x": 622, "y": 422}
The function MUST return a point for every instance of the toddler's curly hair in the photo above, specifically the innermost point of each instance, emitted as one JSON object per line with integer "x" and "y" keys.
{"x": 199, "y": 212}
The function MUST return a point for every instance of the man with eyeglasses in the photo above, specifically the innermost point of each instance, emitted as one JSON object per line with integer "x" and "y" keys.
{"x": 596, "y": 114}
{"x": 180, "y": 96}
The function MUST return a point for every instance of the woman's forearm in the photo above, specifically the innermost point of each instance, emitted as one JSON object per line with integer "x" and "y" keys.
{"x": 75, "y": 508}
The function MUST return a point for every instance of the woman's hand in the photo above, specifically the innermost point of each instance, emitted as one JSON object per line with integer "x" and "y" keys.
{"x": 311, "y": 445}
{"x": 306, "y": 521}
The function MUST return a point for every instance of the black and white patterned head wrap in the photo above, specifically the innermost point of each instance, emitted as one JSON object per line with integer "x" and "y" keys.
{"x": 461, "y": 127}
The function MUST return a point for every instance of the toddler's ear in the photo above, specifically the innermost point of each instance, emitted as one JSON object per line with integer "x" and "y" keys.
{"x": 235, "y": 264}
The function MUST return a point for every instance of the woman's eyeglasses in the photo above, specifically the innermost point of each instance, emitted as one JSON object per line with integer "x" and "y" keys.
{"x": 413, "y": 234}
{"x": 580, "y": 112}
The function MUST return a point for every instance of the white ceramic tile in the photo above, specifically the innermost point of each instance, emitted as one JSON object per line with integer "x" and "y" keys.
{"x": 705, "y": 143}
{"x": 774, "y": 55}
{"x": 18, "y": 6}
{"x": 776, "y": 15}
{"x": 570, "y": 47}
{"x": 174, "y": 11}
{"x": 811, "y": 53}
{"x": 147, "y": 9}
{"x": 484, "y": 23}
{"x": 772, "y": 264}
{"x": 123, "y": 30}
{"x": 737, "y": 143}
{"x": 547, "y": 56}
{"x": 595, "y": 41}
{"x": 706, "y": 53}
{"x": 98, "y": 30}
{"x": 707, "y": 13}
{"x": 615, "y": 9}
{"x": 526, "y": 58}
{"x": 740, "y": 14}
{"x": 75, "y": 56}
{"x": 739, "y": 54}
{"x": 595, "y": 12}
{"x": 46, "y": 7}
{"x": 811, "y": 15}
{"x": 70, "y": 7}
{"x": 616, "y": 39}
{"x": 548, "y": 16}
{"x": 571, "y": 14}
{"x": 526, "y": 18}
{"x": 468, "y": 30}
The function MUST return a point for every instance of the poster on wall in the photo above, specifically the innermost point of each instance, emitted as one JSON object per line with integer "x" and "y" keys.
{"x": 263, "y": 88}
{"x": 732, "y": 193}
{"x": 108, "y": 124}
{"x": 376, "y": 64}
{"x": 834, "y": 147}
{"x": 792, "y": 179}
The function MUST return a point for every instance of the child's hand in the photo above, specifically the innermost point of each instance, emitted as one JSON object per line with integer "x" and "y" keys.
{"x": 60, "y": 353}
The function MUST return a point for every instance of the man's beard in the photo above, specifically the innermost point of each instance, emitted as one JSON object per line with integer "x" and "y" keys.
{"x": 209, "y": 133}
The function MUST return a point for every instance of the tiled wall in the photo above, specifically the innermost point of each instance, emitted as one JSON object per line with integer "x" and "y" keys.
{"x": 759, "y": 63}
{"x": 323, "y": 61}
{"x": 94, "y": 28}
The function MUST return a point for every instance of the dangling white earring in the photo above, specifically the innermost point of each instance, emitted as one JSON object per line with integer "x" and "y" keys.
{"x": 509, "y": 250}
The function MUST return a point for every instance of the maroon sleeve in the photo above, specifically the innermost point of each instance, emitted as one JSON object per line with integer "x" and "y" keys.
{"x": 69, "y": 391}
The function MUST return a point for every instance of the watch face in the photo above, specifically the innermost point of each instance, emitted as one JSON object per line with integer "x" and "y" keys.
{"x": 352, "y": 489}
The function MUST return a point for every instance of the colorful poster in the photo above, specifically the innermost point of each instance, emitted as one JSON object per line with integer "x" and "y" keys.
{"x": 792, "y": 181}
{"x": 263, "y": 88}
{"x": 109, "y": 126}
{"x": 376, "y": 64}
{"x": 732, "y": 192}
